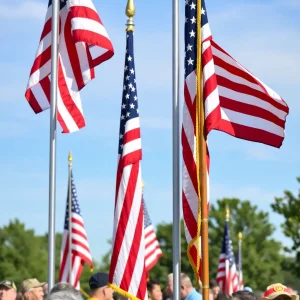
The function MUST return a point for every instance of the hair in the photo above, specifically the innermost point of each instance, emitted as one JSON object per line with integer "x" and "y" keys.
{"x": 185, "y": 280}
{"x": 244, "y": 295}
{"x": 63, "y": 286}
{"x": 223, "y": 296}
{"x": 65, "y": 294}
{"x": 151, "y": 284}
{"x": 170, "y": 275}
{"x": 213, "y": 283}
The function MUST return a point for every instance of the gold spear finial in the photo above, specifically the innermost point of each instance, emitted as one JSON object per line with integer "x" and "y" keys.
{"x": 70, "y": 158}
{"x": 227, "y": 213}
{"x": 130, "y": 12}
{"x": 240, "y": 235}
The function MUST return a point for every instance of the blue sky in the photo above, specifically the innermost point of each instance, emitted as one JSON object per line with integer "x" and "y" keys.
{"x": 261, "y": 35}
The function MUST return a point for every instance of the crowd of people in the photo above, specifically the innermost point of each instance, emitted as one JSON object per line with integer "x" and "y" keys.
{"x": 32, "y": 289}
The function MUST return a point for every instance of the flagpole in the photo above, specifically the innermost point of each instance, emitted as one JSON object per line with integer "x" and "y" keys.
{"x": 52, "y": 159}
{"x": 201, "y": 163}
{"x": 240, "y": 258}
{"x": 176, "y": 157}
{"x": 70, "y": 159}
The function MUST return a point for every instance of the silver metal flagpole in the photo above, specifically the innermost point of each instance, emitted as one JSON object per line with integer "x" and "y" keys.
{"x": 52, "y": 160}
{"x": 176, "y": 158}
{"x": 70, "y": 158}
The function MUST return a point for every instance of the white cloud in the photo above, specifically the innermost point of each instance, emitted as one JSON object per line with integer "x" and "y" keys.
{"x": 25, "y": 10}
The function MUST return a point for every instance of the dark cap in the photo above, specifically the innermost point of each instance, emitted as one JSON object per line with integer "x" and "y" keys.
{"x": 98, "y": 280}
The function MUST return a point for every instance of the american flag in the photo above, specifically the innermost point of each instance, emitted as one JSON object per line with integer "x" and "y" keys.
{"x": 227, "y": 276}
{"x": 127, "y": 269}
{"x": 153, "y": 251}
{"x": 236, "y": 102}
{"x": 79, "y": 245}
{"x": 83, "y": 44}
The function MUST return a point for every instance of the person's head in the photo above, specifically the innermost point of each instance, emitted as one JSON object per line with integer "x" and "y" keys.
{"x": 99, "y": 287}
{"x": 243, "y": 295}
{"x": 169, "y": 287}
{"x": 8, "y": 290}
{"x": 154, "y": 291}
{"x": 62, "y": 286}
{"x": 185, "y": 285}
{"x": 211, "y": 295}
{"x": 65, "y": 294}
{"x": 279, "y": 292}
{"x": 27, "y": 296}
{"x": 34, "y": 286}
{"x": 215, "y": 288}
{"x": 45, "y": 290}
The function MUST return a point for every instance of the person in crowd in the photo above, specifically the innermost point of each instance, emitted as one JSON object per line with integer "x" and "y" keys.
{"x": 243, "y": 295}
{"x": 63, "y": 286}
{"x": 215, "y": 288}
{"x": 168, "y": 292}
{"x": 99, "y": 289}
{"x": 187, "y": 290}
{"x": 211, "y": 295}
{"x": 154, "y": 291}
{"x": 34, "y": 286}
{"x": 8, "y": 290}
{"x": 45, "y": 290}
{"x": 278, "y": 291}
{"x": 64, "y": 294}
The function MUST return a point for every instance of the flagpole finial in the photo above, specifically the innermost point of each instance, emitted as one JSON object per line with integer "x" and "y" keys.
{"x": 227, "y": 213}
{"x": 240, "y": 236}
{"x": 130, "y": 12}
{"x": 70, "y": 158}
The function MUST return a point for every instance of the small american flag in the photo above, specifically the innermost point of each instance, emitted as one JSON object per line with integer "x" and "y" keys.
{"x": 79, "y": 245}
{"x": 236, "y": 102}
{"x": 227, "y": 276}
{"x": 153, "y": 251}
{"x": 83, "y": 44}
{"x": 127, "y": 269}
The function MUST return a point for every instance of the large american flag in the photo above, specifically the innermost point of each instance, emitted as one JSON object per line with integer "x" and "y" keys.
{"x": 79, "y": 245}
{"x": 236, "y": 102}
{"x": 227, "y": 276}
{"x": 153, "y": 251}
{"x": 83, "y": 44}
{"x": 127, "y": 269}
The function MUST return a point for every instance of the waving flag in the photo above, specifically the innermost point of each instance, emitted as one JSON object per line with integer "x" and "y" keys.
{"x": 79, "y": 244}
{"x": 235, "y": 101}
{"x": 83, "y": 44}
{"x": 227, "y": 276}
{"x": 127, "y": 269}
{"x": 153, "y": 251}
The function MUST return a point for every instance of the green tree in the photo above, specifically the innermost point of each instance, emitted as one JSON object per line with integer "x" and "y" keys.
{"x": 261, "y": 253}
{"x": 289, "y": 207}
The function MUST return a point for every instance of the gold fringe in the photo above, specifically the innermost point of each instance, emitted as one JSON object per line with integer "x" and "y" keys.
{"x": 122, "y": 292}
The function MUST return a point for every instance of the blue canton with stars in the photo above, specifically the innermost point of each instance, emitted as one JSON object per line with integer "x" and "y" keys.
{"x": 190, "y": 61}
{"x": 62, "y": 3}
{"x": 227, "y": 246}
{"x": 147, "y": 221}
{"x": 129, "y": 107}
{"x": 75, "y": 204}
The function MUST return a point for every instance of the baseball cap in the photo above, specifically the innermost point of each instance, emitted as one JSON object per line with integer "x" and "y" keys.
{"x": 31, "y": 283}
{"x": 9, "y": 284}
{"x": 98, "y": 280}
{"x": 275, "y": 290}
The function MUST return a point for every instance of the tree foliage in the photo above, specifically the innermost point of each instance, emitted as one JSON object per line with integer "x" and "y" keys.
{"x": 289, "y": 207}
{"x": 23, "y": 255}
{"x": 261, "y": 254}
